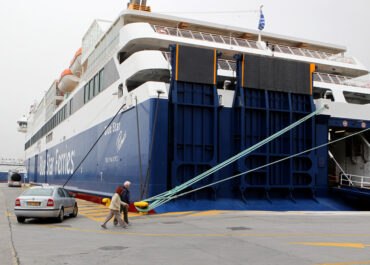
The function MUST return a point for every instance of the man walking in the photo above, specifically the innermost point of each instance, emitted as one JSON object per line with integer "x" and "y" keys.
{"x": 125, "y": 197}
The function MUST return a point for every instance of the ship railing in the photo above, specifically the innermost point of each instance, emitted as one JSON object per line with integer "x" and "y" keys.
{"x": 352, "y": 180}
{"x": 228, "y": 40}
{"x": 11, "y": 162}
{"x": 340, "y": 80}
{"x": 211, "y": 37}
{"x": 310, "y": 53}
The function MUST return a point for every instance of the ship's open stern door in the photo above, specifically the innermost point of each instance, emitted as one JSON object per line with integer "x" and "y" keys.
{"x": 349, "y": 166}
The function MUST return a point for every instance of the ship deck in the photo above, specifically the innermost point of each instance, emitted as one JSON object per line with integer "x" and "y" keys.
{"x": 193, "y": 237}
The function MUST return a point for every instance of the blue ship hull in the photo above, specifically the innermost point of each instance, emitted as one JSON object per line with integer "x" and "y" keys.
{"x": 111, "y": 163}
{"x": 113, "y": 160}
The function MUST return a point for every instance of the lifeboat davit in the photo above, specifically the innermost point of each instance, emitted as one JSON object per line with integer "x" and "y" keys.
{"x": 68, "y": 81}
{"x": 75, "y": 65}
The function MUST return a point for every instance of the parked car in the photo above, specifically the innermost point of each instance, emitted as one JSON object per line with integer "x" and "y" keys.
{"x": 45, "y": 202}
{"x": 14, "y": 179}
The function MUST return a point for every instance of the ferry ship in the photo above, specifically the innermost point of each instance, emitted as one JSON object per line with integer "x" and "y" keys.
{"x": 10, "y": 166}
{"x": 158, "y": 99}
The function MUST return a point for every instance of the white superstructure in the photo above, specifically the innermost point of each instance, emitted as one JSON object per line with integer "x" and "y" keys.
{"x": 127, "y": 62}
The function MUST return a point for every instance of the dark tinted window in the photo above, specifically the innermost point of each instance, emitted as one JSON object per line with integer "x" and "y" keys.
{"x": 91, "y": 84}
{"x": 86, "y": 93}
{"x": 66, "y": 193}
{"x": 101, "y": 78}
{"x": 96, "y": 84}
{"x": 61, "y": 193}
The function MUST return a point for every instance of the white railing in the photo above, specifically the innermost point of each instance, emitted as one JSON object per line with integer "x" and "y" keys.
{"x": 228, "y": 40}
{"x": 355, "y": 181}
{"x": 340, "y": 80}
{"x": 191, "y": 34}
{"x": 11, "y": 162}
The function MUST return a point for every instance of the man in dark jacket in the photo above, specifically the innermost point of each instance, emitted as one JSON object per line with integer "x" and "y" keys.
{"x": 125, "y": 197}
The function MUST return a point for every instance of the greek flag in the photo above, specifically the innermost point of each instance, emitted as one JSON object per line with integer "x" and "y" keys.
{"x": 261, "y": 24}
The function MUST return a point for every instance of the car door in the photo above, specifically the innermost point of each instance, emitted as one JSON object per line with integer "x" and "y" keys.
{"x": 69, "y": 201}
{"x": 62, "y": 199}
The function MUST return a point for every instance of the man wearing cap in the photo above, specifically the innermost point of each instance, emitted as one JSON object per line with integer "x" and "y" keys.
{"x": 125, "y": 197}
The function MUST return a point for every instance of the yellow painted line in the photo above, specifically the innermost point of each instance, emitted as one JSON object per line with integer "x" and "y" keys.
{"x": 96, "y": 214}
{"x": 133, "y": 214}
{"x": 174, "y": 213}
{"x": 90, "y": 204}
{"x": 94, "y": 211}
{"x": 207, "y": 213}
{"x": 346, "y": 245}
{"x": 91, "y": 208}
{"x": 10, "y": 215}
{"x": 100, "y": 219}
{"x": 347, "y": 263}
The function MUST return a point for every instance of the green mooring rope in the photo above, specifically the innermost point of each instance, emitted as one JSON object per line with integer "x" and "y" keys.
{"x": 171, "y": 194}
{"x": 270, "y": 164}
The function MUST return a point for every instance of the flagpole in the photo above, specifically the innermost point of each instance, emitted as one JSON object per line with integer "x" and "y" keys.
{"x": 260, "y": 31}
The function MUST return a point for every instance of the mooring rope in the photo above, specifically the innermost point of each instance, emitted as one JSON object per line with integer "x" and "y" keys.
{"x": 169, "y": 195}
{"x": 270, "y": 164}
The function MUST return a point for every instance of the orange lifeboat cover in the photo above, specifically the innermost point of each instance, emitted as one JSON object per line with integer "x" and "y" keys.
{"x": 78, "y": 53}
{"x": 64, "y": 73}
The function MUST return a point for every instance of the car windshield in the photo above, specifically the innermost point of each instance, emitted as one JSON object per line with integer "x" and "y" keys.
{"x": 38, "y": 192}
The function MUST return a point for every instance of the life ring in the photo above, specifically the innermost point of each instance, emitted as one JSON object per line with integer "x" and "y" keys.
{"x": 162, "y": 31}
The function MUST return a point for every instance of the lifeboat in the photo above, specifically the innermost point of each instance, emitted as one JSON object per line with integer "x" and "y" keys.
{"x": 67, "y": 81}
{"x": 75, "y": 65}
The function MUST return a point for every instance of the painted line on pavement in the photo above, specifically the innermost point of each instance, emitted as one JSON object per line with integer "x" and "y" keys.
{"x": 346, "y": 245}
{"x": 347, "y": 263}
{"x": 195, "y": 235}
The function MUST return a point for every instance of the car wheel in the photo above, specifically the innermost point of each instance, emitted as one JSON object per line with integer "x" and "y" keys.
{"x": 61, "y": 215}
{"x": 21, "y": 219}
{"x": 75, "y": 211}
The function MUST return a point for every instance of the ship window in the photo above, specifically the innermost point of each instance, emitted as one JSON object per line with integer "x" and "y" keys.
{"x": 91, "y": 85}
{"x": 49, "y": 137}
{"x": 86, "y": 93}
{"x": 101, "y": 79}
{"x": 70, "y": 106}
{"x": 96, "y": 84}
{"x": 357, "y": 98}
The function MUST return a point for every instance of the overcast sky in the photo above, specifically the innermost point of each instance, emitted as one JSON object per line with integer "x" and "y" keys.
{"x": 40, "y": 37}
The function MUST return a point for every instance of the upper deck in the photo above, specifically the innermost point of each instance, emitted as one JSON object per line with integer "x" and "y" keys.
{"x": 330, "y": 58}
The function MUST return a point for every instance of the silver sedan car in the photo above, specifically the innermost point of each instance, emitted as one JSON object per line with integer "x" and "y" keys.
{"x": 45, "y": 202}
